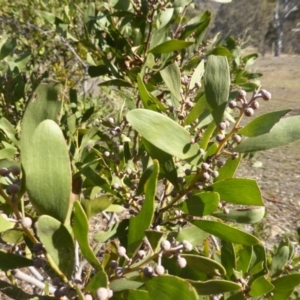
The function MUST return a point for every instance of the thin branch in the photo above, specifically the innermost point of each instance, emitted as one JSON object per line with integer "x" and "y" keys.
{"x": 22, "y": 276}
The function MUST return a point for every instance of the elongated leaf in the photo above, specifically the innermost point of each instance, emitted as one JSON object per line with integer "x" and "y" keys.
{"x": 81, "y": 231}
{"x": 5, "y": 224}
{"x": 246, "y": 215}
{"x": 166, "y": 163}
{"x": 163, "y": 133}
{"x": 48, "y": 173}
{"x": 12, "y": 236}
{"x": 149, "y": 100}
{"x": 115, "y": 82}
{"x": 263, "y": 124}
{"x": 44, "y": 105}
{"x": 170, "y": 46}
{"x": 229, "y": 169}
{"x": 14, "y": 292}
{"x": 154, "y": 238}
{"x": 245, "y": 256}
{"x": 168, "y": 287}
{"x": 284, "y": 132}
{"x": 171, "y": 77}
{"x": 226, "y": 232}
{"x": 9, "y": 130}
{"x": 138, "y": 295}
{"x": 216, "y": 84}
{"x": 284, "y": 286}
{"x": 58, "y": 243}
{"x": 10, "y": 261}
{"x": 214, "y": 286}
{"x": 191, "y": 233}
{"x": 202, "y": 28}
{"x": 201, "y": 204}
{"x": 124, "y": 284}
{"x": 197, "y": 75}
{"x": 98, "y": 280}
{"x": 95, "y": 206}
{"x": 238, "y": 191}
{"x": 260, "y": 286}
{"x": 280, "y": 259}
{"x": 228, "y": 258}
{"x": 7, "y": 48}
{"x": 196, "y": 111}
{"x": 141, "y": 222}
{"x": 204, "y": 264}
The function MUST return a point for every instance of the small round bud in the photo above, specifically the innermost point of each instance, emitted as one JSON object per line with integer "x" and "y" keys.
{"x": 189, "y": 104}
{"x": 121, "y": 251}
{"x": 165, "y": 245}
{"x": 226, "y": 210}
{"x": 265, "y": 95}
{"x": 198, "y": 85}
{"x": 37, "y": 247}
{"x": 205, "y": 175}
{"x": 111, "y": 120}
{"x": 174, "y": 193}
{"x": 110, "y": 293}
{"x": 220, "y": 137}
{"x": 181, "y": 262}
{"x": 60, "y": 292}
{"x": 56, "y": 281}
{"x": 102, "y": 293}
{"x": 199, "y": 186}
{"x": 159, "y": 270}
{"x": 185, "y": 80}
{"x": 88, "y": 297}
{"x": 119, "y": 271}
{"x": 180, "y": 180}
{"x": 113, "y": 264}
{"x": 241, "y": 95}
{"x": 141, "y": 254}
{"x": 215, "y": 174}
{"x": 180, "y": 117}
{"x": 12, "y": 189}
{"x": 187, "y": 246}
{"x": 106, "y": 153}
{"x": 232, "y": 104}
{"x": 4, "y": 172}
{"x": 237, "y": 138}
{"x": 188, "y": 172}
{"x": 255, "y": 104}
{"x": 220, "y": 163}
{"x": 117, "y": 129}
{"x": 222, "y": 125}
{"x": 15, "y": 170}
{"x": 26, "y": 222}
{"x": 116, "y": 186}
{"x": 205, "y": 166}
{"x": 38, "y": 262}
{"x": 148, "y": 271}
{"x": 234, "y": 155}
{"x": 249, "y": 111}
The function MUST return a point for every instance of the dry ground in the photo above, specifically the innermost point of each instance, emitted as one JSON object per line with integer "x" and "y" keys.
{"x": 279, "y": 173}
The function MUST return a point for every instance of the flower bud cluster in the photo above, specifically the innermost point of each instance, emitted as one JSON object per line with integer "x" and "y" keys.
{"x": 248, "y": 107}
{"x": 12, "y": 174}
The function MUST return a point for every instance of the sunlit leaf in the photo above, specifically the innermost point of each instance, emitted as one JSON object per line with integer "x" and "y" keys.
{"x": 263, "y": 124}
{"x": 170, "y": 46}
{"x": 238, "y": 191}
{"x": 226, "y": 232}
{"x": 163, "y": 133}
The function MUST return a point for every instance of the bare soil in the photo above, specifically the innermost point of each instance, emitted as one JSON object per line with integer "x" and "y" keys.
{"x": 278, "y": 170}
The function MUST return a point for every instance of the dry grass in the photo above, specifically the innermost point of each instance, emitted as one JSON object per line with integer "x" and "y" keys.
{"x": 279, "y": 175}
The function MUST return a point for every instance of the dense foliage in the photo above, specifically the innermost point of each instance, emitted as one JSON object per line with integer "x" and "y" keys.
{"x": 149, "y": 157}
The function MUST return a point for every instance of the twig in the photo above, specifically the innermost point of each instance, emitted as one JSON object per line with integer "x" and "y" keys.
{"x": 22, "y": 276}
